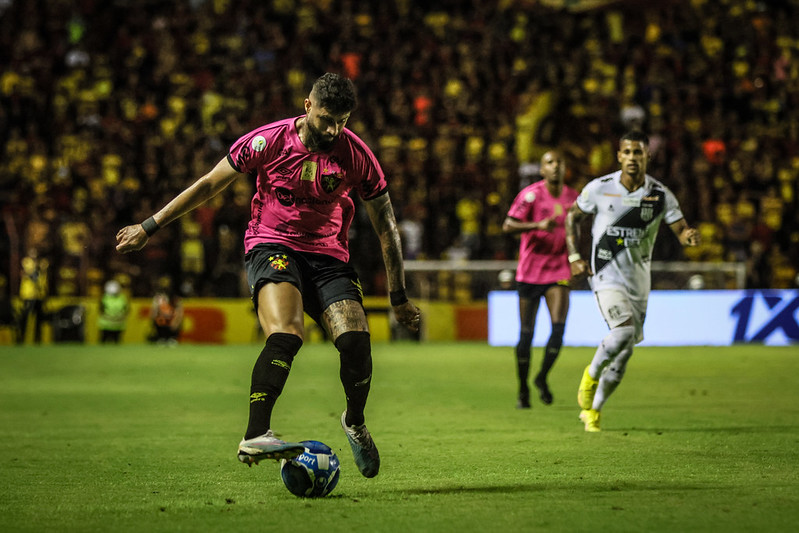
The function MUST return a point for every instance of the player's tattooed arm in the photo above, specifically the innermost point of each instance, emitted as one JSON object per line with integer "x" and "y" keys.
{"x": 579, "y": 266}
{"x": 574, "y": 216}
{"x": 381, "y": 213}
{"x": 382, "y": 216}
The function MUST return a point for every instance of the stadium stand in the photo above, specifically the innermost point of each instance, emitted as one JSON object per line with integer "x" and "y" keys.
{"x": 109, "y": 108}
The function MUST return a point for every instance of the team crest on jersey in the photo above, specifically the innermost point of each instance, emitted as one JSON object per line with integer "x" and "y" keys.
{"x": 279, "y": 262}
{"x": 647, "y": 212}
{"x": 330, "y": 182}
{"x": 529, "y": 197}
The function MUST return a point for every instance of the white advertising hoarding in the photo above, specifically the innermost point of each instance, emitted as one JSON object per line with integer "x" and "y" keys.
{"x": 674, "y": 318}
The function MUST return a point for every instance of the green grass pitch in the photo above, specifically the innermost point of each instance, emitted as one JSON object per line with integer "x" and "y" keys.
{"x": 140, "y": 438}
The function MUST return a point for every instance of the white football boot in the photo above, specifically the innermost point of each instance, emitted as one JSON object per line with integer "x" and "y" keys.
{"x": 267, "y": 446}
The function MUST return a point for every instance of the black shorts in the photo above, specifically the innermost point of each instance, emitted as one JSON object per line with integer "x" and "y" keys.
{"x": 322, "y": 280}
{"x": 532, "y": 291}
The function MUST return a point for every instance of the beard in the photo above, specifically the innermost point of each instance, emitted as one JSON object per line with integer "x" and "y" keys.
{"x": 317, "y": 139}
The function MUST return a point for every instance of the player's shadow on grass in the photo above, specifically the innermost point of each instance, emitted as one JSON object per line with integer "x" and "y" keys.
{"x": 545, "y": 487}
{"x": 693, "y": 429}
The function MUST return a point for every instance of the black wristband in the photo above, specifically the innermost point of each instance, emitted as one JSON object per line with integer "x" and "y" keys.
{"x": 397, "y": 297}
{"x": 150, "y": 226}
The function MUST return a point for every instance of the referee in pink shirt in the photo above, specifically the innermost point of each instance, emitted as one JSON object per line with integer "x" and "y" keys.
{"x": 538, "y": 214}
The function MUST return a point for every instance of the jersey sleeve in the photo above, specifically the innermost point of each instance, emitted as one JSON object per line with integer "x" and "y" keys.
{"x": 673, "y": 212}
{"x": 373, "y": 181}
{"x": 522, "y": 205}
{"x": 586, "y": 201}
{"x": 248, "y": 152}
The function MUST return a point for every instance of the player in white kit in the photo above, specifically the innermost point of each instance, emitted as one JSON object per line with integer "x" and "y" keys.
{"x": 628, "y": 206}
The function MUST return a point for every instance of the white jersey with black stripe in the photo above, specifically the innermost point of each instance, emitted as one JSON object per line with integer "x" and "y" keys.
{"x": 624, "y": 230}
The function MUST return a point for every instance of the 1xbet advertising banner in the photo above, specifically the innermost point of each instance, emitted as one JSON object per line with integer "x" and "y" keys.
{"x": 674, "y": 318}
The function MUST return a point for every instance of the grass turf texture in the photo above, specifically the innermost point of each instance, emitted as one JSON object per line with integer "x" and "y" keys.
{"x": 138, "y": 438}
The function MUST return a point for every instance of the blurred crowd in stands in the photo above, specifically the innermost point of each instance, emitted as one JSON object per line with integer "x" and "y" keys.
{"x": 109, "y": 108}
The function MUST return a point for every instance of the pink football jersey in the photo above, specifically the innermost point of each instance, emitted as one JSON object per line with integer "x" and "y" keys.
{"x": 302, "y": 199}
{"x": 543, "y": 257}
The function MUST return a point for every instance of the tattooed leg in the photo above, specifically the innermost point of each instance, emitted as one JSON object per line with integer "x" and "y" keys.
{"x": 346, "y": 323}
{"x": 343, "y": 316}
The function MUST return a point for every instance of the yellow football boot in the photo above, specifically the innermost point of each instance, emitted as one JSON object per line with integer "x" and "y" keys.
{"x": 585, "y": 394}
{"x": 590, "y": 418}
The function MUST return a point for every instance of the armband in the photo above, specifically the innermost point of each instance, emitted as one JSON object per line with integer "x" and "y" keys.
{"x": 574, "y": 257}
{"x": 150, "y": 226}
{"x": 397, "y": 297}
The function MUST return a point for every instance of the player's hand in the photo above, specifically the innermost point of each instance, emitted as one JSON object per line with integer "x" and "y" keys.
{"x": 580, "y": 270}
{"x": 408, "y": 315}
{"x": 547, "y": 224}
{"x": 131, "y": 238}
{"x": 690, "y": 237}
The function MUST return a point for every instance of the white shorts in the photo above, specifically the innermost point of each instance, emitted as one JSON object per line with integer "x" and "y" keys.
{"x": 617, "y": 308}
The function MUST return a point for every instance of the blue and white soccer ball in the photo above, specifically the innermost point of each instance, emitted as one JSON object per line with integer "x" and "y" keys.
{"x": 313, "y": 473}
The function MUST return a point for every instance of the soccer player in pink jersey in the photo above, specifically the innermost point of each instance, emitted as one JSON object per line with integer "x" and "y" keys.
{"x": 297, "y": 254}
{"x": 538, "y": 214}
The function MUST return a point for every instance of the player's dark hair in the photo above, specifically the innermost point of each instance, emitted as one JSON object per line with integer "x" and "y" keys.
{"x": 635, "y": 136}
{"x": 335, "y": 93}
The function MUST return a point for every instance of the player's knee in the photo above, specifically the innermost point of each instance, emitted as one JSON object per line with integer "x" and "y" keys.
{"x": 274, "y": 364}
{"x": 354, "y": 342}
{"x": 558, "y": 329}
{"x": 626, "y": 334}
{"x": 619, "y": 338}
{"x": 277, "y": 355}
{"x": 615, "y": 371}
{"x": 284, "y": 345}
{"x": 355, "y": 349}
{"x": 525, "y": 339}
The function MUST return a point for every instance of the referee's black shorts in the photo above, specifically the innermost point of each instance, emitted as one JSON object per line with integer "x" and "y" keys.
{"x": 322, "y": 280}
{"x": 534, "y": 291}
